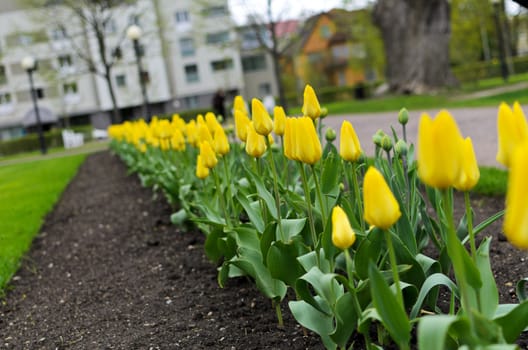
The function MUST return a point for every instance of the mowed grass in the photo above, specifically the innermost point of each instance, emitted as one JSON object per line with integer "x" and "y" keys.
{"x": 28, "y": 191}
{"x": 492, "y": 182}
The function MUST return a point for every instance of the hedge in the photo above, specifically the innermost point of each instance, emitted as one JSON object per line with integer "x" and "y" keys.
{"x": 490, "y": 69}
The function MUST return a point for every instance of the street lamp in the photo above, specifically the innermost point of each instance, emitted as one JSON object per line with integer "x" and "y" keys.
{"x": 500, "y": 39}
{"x": 134, "y": 32}
{"x": 30, "y": 65}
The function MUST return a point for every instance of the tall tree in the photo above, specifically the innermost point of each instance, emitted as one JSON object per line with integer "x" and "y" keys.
{"x": 416, "y": 37}
{"x": 92, "y": 19}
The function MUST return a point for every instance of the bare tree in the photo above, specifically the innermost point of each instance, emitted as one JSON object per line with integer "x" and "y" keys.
{"x": 94, "y": 19}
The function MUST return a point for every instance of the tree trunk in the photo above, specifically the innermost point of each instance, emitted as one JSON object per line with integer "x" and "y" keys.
{"x": 416, "y": 40}
{"x": 116, "y": 114}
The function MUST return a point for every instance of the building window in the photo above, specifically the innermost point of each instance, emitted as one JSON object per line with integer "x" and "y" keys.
{"x": 65, "y": 61}
{"x": 191, "y": 102}
{"x": 222, "y": 64}
{"x": 141, "y": 50}
{"x": 253, "y": 63}
{"x": 133, "y": 20}
{"x": 340, "y": 51}
{"x": 25, "y": 40}
{"x": 191, "y": 73}
{"x": 315, "y": 57}
{"x": 70, "y": 88}
{"x": 5, "y": 98}
{"x": 264, "y": 89}
{"x": 120, "y": 80}
{"x": 187, "y": 47}
{"x": 217, "y": 38}
{"x": 58, "y": 34}
{"x": 215, "y": 11}
{"x": 182, "y": 16}
{"x": 3, "y": 76}
{"x": 324, "y": 31}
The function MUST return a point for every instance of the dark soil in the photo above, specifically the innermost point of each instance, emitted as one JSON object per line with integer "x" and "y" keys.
{"x": 109, "y": 271}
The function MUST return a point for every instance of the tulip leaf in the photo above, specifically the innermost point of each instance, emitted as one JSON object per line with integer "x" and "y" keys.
{"x": 488, "y": 222}
{"x": 331, "y": 175}
{"x": 267, "y": 238}
{"x": 324, "y": 284}
{"x": 316, "y": 321}
{"x": 369, "y": 250}
{"x": 346, "y": 319}
{"x": 211, "y": 246}
{"x": 253, "y": 211}
{"x": 282, "y": 261}
{"x": 489, "y": 295}
{"x": 431, "y": 282}
{"x": 291, "y": 228}
{"x": 514, "y": 322}
{"x": 392, "y": 313}
{"x": 266, "y": 196}
{"x": 246, "y": 237}
{"x": 433, "y": 331}
{"x": 520, "y": 290}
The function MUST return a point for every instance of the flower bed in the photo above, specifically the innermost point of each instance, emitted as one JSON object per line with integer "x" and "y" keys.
{"x": 348, "y": 235}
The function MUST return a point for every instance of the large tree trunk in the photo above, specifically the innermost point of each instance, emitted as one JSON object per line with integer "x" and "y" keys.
{"x": 416, "y": 40}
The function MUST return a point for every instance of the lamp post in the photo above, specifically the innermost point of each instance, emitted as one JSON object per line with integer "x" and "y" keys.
{"x": 497, "y": 10}
{"x": 30, "y": 65}
{"x": 134, "y": 32}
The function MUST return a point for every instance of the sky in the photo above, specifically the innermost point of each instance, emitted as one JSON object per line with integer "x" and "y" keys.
{"x": 300, "y": 8}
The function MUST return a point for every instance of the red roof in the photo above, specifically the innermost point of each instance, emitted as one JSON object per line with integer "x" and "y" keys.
{"x": 285, "y": 28}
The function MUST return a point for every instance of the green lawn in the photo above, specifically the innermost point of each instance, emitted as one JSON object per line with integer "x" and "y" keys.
{"x": 28, "y": 192}
{"x": 492, "y": 181}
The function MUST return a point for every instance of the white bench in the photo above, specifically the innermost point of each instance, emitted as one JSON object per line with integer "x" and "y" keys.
{"x": 71, "y": 139}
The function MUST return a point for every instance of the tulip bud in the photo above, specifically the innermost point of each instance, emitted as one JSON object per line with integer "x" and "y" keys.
{"x": 470, "y": 173}
{"x": 343, "y": 236}
{"x": 261, "y": 120}
{"x": 512, "y": 130}
{"x": 239, "y": 104}
{"x": 308, "y": 147}
{"x": 516, "y": 213}
{"x": 208, "y": 155}
{"x": 220, "y": 142}
{"x": 311, "y": 106}
{"x": 241, "y": 123}
{"x": 386, "y": 143}
{"x": 381, "y": 208}
{"x": 330, "y": 134}
{"x": 349, "y": 147}
{"x": 400, "y": 148}
{"x": 201, "y": 170}
{"x": 403, "y": 116}
{"x": 341, "y": 186}
{"x": 324, "y": 112}
{"x": 256, "y": 144}
{"x": 376, "y": 138}
{"x": 279, "y": 121}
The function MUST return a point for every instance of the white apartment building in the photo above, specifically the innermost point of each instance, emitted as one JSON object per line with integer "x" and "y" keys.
{"x": 190, "y": 50}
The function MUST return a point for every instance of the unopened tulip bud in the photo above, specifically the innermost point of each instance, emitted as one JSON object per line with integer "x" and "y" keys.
{"x": 386, "y": 143}
{"x": 330, "y": 134}
{"x": 324, "y": 112}
{"x": 341, "y": 186}
{"x": 403, "y": 116}
{"x": 400, "y": 147}
{"x": 376, "y": 138}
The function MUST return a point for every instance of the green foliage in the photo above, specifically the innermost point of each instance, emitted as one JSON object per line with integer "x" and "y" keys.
{"x": 492, "y": 181}
{"x": 27, "y": 192}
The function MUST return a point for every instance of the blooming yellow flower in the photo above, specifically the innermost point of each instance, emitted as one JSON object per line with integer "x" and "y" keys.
{"x": 201, "y": 170}
{"x": 191, "y": 131}
{"x": 208, "y": 155}
{"x": 511, "y": 131}
{"x": 308, "y": 147}
{"x": 311, "y": 107}
{"x": 289, "y": 138}
{"x": 255, "y": 144}
{"x": 240, "y": 104}
{"x": 470, "y": 173}
{"x": 204, "y": 134}
{"x": 279, "y": 120}
{"x": 439, "y": 150}
{"x": 241, "y": 124}
{"x": 349, "y": 147}
{"x": 261, "y": 119}
{"x": 381, "y": 208}
{"x": 212, "y": 122}
{"x": 343, "y": 236}
{"x": 516, "y": 214}
{"x": 177, "y": 140}
{"x": 220, "y": 142}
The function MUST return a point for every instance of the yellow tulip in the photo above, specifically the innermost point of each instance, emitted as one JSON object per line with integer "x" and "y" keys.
{"x": 511, "y": 131}
{"x": 211, "y": 122}
{"x": 349, "y": 147}
{"x": 516, "y": 214}
{"x": 220, "y": 142}
{"x": 381, "y": 208}
{"x": 201, "y": 170}
{"x": 241, "y": 124}
{"x": 261, "y": 119}
{"x": 289, "y": 136}
{"x": 343, "y": 236}
{"x": 470, "y": 173}
{"x": 192, "y": 133}
{"x": 256, "y": 144}
{"x": 208, "y": 155}
{"x": 204, "y": 134}
{"x": 308, "y": 147}
{"x": 279, "y": 120}
{"x": 439, "y": 150}
{"x": 311, "y": 107}
{"x": 240, "y": 104}
{"x": 177, "y": 140}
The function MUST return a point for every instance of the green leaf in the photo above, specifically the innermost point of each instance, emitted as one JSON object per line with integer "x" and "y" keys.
{"x": 431, "y": 282}
{"x": 369, "y": 250}
{"x": 253, "y": 211}
{"x": 477, "y": 229}
{"x": 316, "y": 321}
{"x": 179, "y": 217}
{"x": 292, "y": 227}
{"x": 266, "y": 196}
{"x": 324, "y": 284}
{"x": 345, "y": 320}
{"x": 434, "y": 330}
{"x": 489, "y": 295}
{"x": 514, "y": 322}
{"x": 211, "y": 246}
{"x": 282, "y": 261}
{"x": 392, "y": 314}
{"x": 520, "y": 290}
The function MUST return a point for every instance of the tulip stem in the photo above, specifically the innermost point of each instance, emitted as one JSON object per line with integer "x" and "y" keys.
{"x": 221, "y": 198}
{"x": 276, "y": 190}
{"x": 320, "y": 196}
{"x": 228, "y": 191}
{"x": 394, "y": 267}
{"x": 358, "y": 195}
{"x": 309, "y": 204}
{"x": 469, "y": 217}
{"x": 278, "y": 311}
